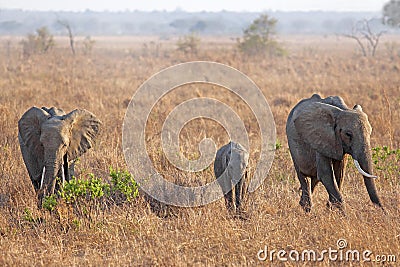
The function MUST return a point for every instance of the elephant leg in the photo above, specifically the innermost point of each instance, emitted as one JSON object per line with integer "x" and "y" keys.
{"x": 339, "y": 167}
{"x": 226, "y": 185}
{"x": 229, "y": 200}
{"x": 37, "y": 182}
{"x": 243, "y": 190}
{"x": 314, "y": 182}
{"x": 325, "y": 174}
{"x": 239, "y": 194}
{"x": 305, "y": 199}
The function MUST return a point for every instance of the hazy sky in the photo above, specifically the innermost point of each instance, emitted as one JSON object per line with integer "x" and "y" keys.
{"x": 196, "y": 5}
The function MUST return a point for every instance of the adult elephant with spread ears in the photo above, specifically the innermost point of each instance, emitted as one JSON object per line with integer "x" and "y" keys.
{"x": 50, "y": 142}
{"x": 320, "y": 133}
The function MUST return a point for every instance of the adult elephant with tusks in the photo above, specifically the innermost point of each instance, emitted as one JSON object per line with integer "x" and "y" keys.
{"x": 50, "y": 142}
{"x": 320, "y": 133}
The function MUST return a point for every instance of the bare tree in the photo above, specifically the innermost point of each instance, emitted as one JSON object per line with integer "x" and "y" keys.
{"x": 365, "y": 37}
{"x": 71, "y": 36}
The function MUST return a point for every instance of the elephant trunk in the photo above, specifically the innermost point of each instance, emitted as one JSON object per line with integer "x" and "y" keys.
{"x": 365, "y": 163}
{"x": 51, "y": 169}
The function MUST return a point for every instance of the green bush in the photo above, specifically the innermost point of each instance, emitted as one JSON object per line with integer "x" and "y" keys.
{"x": 123, "y": 185}
{"x": 28, "y": 216}
{"x": 89, "y": 197}
{"x": 387, "y": 160}
{"x": 278, "y": 144}
{"x": 93, "y": 188}
{"x": 49, "y": 202}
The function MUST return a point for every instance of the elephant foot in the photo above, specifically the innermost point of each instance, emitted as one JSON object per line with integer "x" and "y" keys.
{"x": 305, "y": 203}
{"x": 39, "y": 197}
{"x": 336, "y": 206}
{"x": 307, "y": 208}
{"x": 241, "y": 213}
{"x": 244, "y": 216}
{"x": 230, "y": 207}
{"x": 384, "y": 211}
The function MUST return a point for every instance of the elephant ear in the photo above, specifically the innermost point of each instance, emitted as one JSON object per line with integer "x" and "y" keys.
{"x": 29, "y": 128}
{"x": 315, "y": 125}
{"x": 84, "y": 129}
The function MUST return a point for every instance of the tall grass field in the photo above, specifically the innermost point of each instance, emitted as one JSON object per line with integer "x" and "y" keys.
{"x": 118, "y": 232}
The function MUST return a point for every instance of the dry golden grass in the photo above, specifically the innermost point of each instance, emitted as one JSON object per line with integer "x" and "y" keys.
{"x": 103, "y": 83}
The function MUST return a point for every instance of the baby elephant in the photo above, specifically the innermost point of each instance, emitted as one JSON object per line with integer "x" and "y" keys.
{"x": 230, "y": 168}
{"x": 51, "y": 141}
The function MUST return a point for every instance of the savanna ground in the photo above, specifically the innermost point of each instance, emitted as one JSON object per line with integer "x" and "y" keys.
{"x": 131, "y": 234}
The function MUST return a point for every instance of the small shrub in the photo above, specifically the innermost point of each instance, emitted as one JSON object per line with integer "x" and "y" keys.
{"x": 73, "y": 189}
{"x": 123, "y": 186}
{"x": 188, "y": 44}
{"x": 39, "y": 43}
{"x": 386, "y": 160}
{"x": 49, "y": 202}
{"x": 76, "y": 223}
{"x": 88, "y": 44}
{"x": 92, "y": 188}
{"x": 259, "y": 38}
{"x": 278, "y": 145}
{"x": 97, "y": 188}
{"x": 28, "y": 216}
{"x": 88, "y": 198}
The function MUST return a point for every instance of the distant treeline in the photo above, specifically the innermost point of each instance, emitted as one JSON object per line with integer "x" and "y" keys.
{"x": 165, "y": 24}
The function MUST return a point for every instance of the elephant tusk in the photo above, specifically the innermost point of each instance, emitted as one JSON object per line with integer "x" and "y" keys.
{"x": 362, "y": 171}
{"x": 41, "y": 181}
{"x": 63, "y": 175}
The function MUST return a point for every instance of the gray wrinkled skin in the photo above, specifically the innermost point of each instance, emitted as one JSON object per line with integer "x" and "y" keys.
{"x": 320, "y": 133}
{"x": 233, "y": 158}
